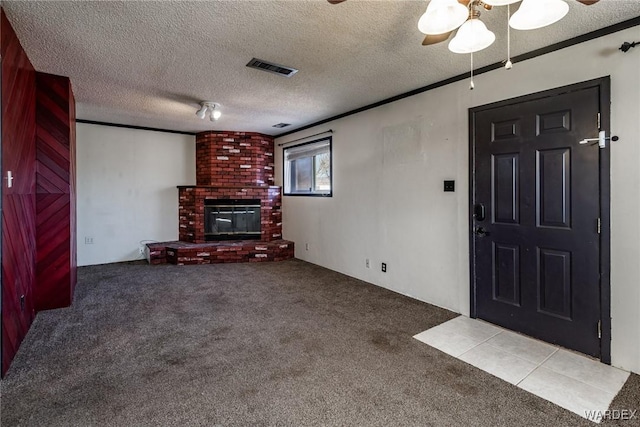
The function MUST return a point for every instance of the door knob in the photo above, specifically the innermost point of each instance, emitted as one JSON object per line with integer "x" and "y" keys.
{"x": 481, "y": 232}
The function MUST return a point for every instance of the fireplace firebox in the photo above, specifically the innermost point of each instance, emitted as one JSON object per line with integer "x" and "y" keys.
{"x": 231, "y": 219}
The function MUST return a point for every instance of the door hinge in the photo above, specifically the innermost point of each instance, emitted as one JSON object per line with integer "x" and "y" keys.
{"x": 599, "y": 225}
{"x": 598, "y": 121}
{"x": 599, "y": 328}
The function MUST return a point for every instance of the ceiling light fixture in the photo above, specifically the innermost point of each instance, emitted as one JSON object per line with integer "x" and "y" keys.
{"x": 442, "y": 16}
{"x": 534, "y": 14}
{"x": 202, "y": 112}
{"x": 212, "y": 107}
{"x": 472, "y": 36}
{"x": 215, "y": 114}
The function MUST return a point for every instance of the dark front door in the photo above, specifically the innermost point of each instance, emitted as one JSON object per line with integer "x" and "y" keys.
{"x": 536, "y": 208}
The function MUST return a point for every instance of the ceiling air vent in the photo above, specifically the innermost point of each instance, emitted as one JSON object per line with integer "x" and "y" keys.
{"x": 282, "y": 125}
{"x": 281, "y": 70}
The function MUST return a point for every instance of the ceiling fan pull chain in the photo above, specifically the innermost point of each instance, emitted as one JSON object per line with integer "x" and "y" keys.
{"x": 471, "y": 85}
{"x": 509, "y": 64}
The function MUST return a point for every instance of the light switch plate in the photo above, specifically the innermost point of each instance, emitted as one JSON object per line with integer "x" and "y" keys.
{"x": 449, "y": 186}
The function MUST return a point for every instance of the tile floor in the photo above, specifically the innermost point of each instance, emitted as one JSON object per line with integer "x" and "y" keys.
{"x": 570, "y": 380}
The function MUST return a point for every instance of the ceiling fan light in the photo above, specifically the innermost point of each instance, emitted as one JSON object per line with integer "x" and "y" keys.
{"x": 442, "y": 16}
{"x": 202, "y": 112}
{"x": 499, "y": 2}
{"x": 472, "y": 36}
{"x": 534, "y": 14}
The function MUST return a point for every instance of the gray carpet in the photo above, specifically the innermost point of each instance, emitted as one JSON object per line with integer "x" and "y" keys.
{"x": 287, "y": 344}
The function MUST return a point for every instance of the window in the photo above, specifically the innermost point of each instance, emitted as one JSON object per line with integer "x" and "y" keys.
{"x": 307, "y": 169}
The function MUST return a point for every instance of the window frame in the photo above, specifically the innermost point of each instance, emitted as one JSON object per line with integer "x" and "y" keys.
{"x": 284, "y": 170}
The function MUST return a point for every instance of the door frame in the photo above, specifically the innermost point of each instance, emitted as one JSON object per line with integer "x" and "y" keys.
{"x": 604, "y": 87}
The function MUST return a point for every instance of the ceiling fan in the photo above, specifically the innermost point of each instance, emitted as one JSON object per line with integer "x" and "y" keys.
{"x": 443, "y": 17}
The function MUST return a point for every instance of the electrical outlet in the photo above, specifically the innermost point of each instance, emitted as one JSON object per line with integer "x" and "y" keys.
{"x": 88, "y": 240}
{"x": 141, "y": 250}
{"x": 366, "y": 262}
{"x": 306, "y": 246}
{"x": 384, "y": 267}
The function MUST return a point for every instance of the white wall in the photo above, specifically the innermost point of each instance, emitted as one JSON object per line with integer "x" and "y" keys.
{"x": 126, "y": 189}
{"x": 389, "y": 164}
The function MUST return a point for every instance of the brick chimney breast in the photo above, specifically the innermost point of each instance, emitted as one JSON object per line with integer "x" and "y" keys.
{"x": 230, "y": 159}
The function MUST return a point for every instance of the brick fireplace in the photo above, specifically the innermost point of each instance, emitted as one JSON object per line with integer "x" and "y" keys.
{"x": 192, "y": 201}
{"x": 230, "y": 167}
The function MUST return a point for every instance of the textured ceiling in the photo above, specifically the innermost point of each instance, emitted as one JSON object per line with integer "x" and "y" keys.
{"x": 151, "y": 63}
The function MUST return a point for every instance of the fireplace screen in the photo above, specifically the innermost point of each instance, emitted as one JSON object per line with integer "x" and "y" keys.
{"x": 231, "y": 219}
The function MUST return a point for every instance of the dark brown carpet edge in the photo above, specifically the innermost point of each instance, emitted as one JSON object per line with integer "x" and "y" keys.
{"x": 287, "y": 344}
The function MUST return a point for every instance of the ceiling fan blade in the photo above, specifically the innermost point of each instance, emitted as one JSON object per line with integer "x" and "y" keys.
{"x": 588, "y": 2}
{"x": 336, "y": 1}
{"x": 435, "y": 38}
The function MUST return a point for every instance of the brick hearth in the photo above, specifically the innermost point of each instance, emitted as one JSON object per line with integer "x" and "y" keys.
{"x": 182, "y": 253}
{"x": 229, "y": 165}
